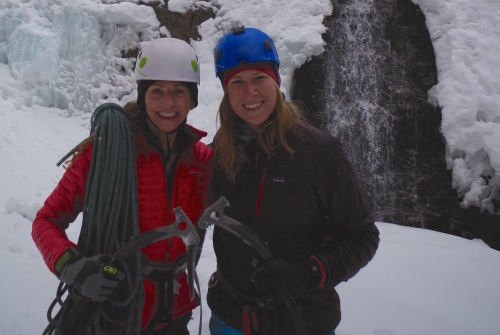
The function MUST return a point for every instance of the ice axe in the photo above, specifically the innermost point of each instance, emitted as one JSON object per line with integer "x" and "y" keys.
{"x": 182, "y": 227}
{"x": 187, "y": 232}
{"x": 214, "y": 215}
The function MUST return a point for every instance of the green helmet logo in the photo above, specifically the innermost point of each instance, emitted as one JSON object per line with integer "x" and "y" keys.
{"x": 143, "y": 62}
{"x": 194, "y": 65}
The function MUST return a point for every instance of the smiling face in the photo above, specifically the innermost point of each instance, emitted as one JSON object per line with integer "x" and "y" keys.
{"x": 252, "y": 96}
{"x": 168, "y": 104}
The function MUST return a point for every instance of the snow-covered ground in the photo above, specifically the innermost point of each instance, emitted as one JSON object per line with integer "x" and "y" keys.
{"x": 59, "y": 59}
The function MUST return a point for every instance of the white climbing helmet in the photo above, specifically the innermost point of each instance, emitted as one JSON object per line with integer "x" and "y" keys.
{"x": 167, "y": 59}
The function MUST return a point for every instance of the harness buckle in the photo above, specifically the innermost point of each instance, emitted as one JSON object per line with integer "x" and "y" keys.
{"x": 146, "y": 270}
{"x": 268, "y": 304}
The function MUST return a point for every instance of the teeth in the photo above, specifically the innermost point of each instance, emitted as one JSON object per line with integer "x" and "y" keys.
{"x": 167, "y": 114}
{"x": 255, "y": 105}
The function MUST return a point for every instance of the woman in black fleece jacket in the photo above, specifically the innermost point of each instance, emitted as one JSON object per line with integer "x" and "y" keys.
{"x": 293, "y": 185}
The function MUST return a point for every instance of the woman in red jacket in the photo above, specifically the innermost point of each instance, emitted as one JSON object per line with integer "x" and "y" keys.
{"x": 173, "y": 169}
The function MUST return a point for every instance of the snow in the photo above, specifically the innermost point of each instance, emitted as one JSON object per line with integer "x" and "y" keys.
{"x": 60, "y": 59}
{"x": 466, "y": 39}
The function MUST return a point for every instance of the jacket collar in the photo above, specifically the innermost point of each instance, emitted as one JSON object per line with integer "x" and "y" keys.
{"x": 187, "y": 135}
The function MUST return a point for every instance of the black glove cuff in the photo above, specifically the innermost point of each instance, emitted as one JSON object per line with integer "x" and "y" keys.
{"x": 70, "y": 256}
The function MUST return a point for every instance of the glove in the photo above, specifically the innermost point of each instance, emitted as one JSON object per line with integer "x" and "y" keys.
{"x": 95, "y": 277}
{"x": 284, "y": 280}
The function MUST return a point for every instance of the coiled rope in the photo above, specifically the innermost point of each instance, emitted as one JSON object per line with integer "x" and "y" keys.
{"x": 110, "y": 219}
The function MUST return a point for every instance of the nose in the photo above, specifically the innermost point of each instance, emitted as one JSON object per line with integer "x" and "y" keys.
{"x": 250, "y": 89}
{"x": 167, "y": 99}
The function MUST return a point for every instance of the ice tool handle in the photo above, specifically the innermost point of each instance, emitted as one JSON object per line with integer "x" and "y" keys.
{"x": 214, "y": 215}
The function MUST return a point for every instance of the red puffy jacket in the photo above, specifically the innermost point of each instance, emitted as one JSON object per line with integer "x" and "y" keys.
{"x": 193, "y": 173}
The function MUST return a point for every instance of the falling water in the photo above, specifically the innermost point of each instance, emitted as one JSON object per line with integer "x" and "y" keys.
{"x": 359, "y": 101}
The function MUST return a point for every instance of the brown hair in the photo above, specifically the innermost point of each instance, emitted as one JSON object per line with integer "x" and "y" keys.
{"x": 134, "y": 114}
{"x": 272, "y": 134}
{"x": 80, "y": 149}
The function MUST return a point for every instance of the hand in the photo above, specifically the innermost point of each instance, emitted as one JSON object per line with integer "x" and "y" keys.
{"x": 95, "y": 277}
{"x": 284, "y": 280}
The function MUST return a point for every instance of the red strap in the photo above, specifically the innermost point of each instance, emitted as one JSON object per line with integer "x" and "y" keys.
{"x": 255, "y": 322}
{"x": 323, "y": 272}
{"x": 246, "y": 320}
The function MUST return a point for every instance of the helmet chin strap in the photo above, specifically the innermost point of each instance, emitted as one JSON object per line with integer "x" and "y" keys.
{"x": 169, "y": 151}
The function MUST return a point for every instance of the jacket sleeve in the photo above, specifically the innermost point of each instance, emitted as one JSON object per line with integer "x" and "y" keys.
{"x": 60, "y": 209}
{"x": 352, "y": 237}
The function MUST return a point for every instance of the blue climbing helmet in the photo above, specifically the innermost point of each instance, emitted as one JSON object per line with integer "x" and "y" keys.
{"x": 242, "y": 46}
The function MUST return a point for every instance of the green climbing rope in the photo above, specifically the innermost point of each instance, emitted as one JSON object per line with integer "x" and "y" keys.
{"x": 110, "y": 219}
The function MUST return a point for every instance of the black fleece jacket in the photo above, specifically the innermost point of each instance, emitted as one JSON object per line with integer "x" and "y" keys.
{"x": 307, "y": 204}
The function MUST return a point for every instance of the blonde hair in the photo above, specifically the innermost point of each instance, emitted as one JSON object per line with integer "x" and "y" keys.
{"x": 231, "y": 156}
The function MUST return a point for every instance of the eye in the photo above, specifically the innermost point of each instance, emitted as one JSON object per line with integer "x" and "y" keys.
{"x": 180, "y": 90}
{"x": 235, "y": 82}
{"x": 156, "y": 90}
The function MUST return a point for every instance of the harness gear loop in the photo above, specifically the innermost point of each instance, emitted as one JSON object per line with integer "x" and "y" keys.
{"x": 162, "y": 274}
{"x": 251, "y": 304}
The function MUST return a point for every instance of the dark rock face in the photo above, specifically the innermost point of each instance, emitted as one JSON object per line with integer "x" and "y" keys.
{"x": 181, "y": 26}
{"x": 369, "y": 88}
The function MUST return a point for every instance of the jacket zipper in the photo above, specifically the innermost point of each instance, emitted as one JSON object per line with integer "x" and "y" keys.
{"x": 261, "y": 187}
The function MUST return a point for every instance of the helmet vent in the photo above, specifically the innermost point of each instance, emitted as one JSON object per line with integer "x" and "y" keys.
{"x": 238, "y": 30}
{"x": 268, "y": 45}
{"x": 217, "y": 55}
